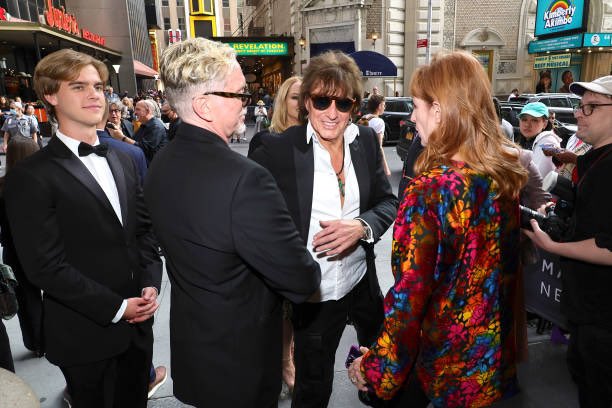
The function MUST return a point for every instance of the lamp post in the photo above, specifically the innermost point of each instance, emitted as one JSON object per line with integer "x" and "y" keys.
{"x": 2, "y": 68}
{"x": 116, "y": 68}
{"x": 374, "y": 37}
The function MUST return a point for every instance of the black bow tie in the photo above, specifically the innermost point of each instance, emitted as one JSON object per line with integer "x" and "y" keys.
{"x": 87, "y": 149}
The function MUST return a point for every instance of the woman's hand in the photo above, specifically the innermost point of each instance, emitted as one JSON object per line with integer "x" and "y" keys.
{"x": 354, "y": 372}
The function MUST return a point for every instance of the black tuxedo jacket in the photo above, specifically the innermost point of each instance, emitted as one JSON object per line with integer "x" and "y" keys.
{"x": 72, "y": 246}
{"x": 232, "y": 251}
{"x": 291, "y": 161}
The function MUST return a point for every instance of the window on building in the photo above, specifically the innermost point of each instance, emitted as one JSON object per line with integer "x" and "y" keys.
{"x": 202, "y": 7}
{"x": 181, "y": 23}
{"x": 166, "y": 23}
{"x": 180, "y": 3}
{"x": 240, "y": 3}
{"x": 225, "y": 3}
{"x": 165, "y": 3}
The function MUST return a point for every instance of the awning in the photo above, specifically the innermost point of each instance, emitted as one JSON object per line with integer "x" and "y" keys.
{"x": 374, "y": 64}
{"x": 142, "y": 70}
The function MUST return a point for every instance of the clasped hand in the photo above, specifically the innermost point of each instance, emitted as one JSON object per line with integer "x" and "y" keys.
{"x": 141, "y": 308}
{"x": 354, "y": 372}
{"x": 337, "y": 236}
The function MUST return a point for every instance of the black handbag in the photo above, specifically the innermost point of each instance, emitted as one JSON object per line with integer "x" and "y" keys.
{"x": 8, "y": 298}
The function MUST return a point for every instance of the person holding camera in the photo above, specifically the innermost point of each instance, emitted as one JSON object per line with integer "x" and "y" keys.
{"x": 587, "y": 252}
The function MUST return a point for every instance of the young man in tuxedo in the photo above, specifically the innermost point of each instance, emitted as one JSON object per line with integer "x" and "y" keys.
{"x": 83, "y": 236}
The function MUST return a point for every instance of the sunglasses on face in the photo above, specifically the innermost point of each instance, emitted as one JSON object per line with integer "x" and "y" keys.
{"x": 323, "y": 102}
{"x": 244, "y": 97}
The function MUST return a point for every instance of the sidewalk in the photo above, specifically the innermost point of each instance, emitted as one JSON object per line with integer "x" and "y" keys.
{"x": 544, "y": 379}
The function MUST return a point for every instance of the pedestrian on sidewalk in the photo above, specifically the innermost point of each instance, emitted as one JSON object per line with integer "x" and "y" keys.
{"x": 84, "y": 237}
{"x": 322, "y": 167}
{"x": 29, "y": 298}
{"x": 232, "y": 250}
{"x": 446, "y": 337}
{"x": 586, "y": 253}
{"x": 286, "y": 114}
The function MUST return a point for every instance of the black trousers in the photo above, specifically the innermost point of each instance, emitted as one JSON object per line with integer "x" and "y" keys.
{"x": 589, "y": 358}
{"x": 6, "y": 358}
{"x": 318, "y": 328}
{"x": 120, "y": 381}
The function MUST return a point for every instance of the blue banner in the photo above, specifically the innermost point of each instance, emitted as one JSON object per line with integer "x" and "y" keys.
{"x": 555, "y": 44}
{"x": 597, "y": 40}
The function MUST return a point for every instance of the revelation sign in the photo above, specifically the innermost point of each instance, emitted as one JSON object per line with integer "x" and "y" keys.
{"x": 260, "y": 48}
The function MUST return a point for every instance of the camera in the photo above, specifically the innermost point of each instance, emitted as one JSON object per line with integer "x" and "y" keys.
{"x": 557, "y": 221}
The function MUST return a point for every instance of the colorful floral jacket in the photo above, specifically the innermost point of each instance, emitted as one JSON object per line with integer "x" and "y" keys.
{"x": 448, "y": 316}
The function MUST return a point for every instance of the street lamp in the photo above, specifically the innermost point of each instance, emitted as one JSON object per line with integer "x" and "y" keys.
{"x": 302, "y": 42}
{"x": 374, "y": 37}
{"x": 2, "y": 68}
{"x": 116, "y": 68}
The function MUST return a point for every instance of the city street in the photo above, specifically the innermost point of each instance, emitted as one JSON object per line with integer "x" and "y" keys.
{"x": 544, "y": 379}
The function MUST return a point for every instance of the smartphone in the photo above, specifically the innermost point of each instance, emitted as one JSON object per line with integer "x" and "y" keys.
{"x": 551, "y": 148}
{"x": 111, "y": 125}
{"x": 353, "y": 354}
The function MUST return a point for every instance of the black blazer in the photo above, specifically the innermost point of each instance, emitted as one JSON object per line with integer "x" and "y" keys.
{"x": 127, "y": 128}
{"x": 74, "y": 248}
{"x": 291, "y": 162}
{"x": 232, "y": 252}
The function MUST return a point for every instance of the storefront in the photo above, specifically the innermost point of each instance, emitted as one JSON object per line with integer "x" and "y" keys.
{"x": 265, "y": 61}
{"x": 569, "y": 45}
{"x": 23, "y": 43}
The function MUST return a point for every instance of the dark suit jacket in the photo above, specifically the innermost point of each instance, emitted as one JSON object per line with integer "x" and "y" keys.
{"x": 135, "y": 153}
{"x": 291, "y": 162}
{"x": 74, "y": 248}
{"x": 127, "y": 128}
{"x": 232, "y": 251}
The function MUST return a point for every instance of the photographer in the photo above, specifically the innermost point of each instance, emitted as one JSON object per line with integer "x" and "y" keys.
{"x": 587, "y": 254}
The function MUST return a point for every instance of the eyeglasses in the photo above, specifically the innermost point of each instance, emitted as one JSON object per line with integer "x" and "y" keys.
{"x": 323, "y": 102}
{"x": 244, "y": 97}
{"x": 588, "y": 108}
{"x": 115, "y": 110}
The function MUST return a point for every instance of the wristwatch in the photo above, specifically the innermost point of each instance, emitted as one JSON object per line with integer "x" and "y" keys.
{"x": 367, "y": 231}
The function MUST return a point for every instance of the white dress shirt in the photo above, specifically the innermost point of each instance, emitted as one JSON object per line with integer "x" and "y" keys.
{"x": 339, "y": 275}
{"x": 100, "y": 170}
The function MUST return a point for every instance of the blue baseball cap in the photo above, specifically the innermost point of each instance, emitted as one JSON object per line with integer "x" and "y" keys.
{"x": 535, "y": 109}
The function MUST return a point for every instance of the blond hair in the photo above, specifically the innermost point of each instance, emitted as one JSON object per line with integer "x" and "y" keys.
{"x": 468, "y": 124}
{"x": 280, "y": 118}
{"x": 194, "y": 66}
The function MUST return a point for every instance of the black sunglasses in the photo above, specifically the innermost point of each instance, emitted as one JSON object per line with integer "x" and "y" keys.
{"x": 323, "y": 102}
{"x": 244, "y": 97}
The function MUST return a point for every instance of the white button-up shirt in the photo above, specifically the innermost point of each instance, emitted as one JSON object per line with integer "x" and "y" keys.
{"x": 339, "y": 275}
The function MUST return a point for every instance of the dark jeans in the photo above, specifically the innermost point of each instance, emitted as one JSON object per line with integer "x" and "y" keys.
{"x": 120, "y": 381}
{"x": 589, "y": 358}
{"x": 317, "y": 330}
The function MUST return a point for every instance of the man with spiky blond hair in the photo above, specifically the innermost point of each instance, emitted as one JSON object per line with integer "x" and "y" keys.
{"x": 231, "y": 247}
